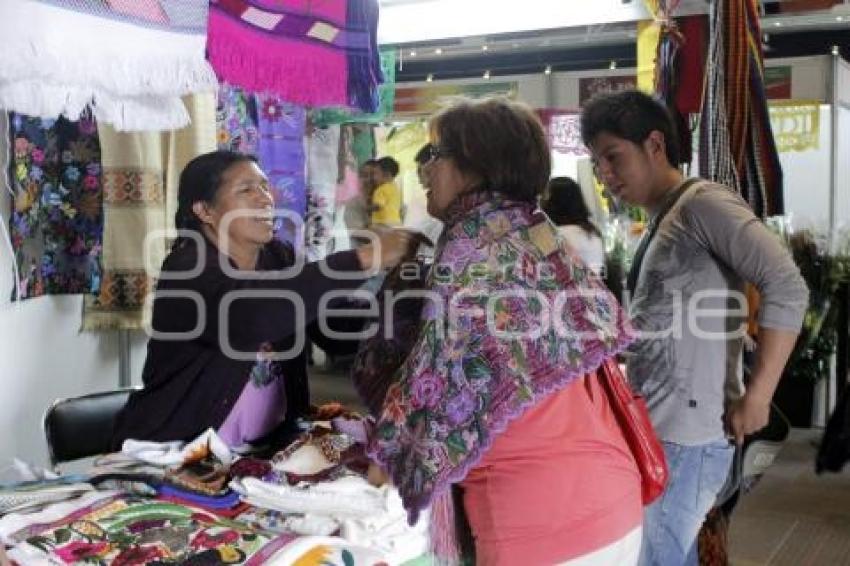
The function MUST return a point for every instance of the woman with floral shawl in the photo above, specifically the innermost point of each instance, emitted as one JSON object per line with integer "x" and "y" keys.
{"x": 497, "y": 400}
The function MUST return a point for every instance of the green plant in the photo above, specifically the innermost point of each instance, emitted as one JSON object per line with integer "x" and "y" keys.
{"x": 824, "y": 266}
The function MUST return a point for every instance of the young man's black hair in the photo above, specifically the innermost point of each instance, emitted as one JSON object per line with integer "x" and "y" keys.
{"x": 631, "y": 115}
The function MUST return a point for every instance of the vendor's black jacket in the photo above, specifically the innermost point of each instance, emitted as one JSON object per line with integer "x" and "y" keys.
{"x": 190, "y": 384}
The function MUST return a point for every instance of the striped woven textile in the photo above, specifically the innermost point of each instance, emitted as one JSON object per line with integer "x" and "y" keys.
{"x": 736, "y": 141}
{"x": 302, "y": 51}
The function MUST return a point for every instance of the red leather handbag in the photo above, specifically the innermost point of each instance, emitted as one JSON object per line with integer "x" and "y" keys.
{"x": 633, "y": 417}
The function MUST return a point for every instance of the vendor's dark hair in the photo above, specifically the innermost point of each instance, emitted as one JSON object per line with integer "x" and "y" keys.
{"x": 500, "y": 141}
{"x": 200, "y": 181}
{"x": 631, "y": 115}
{"x": 388, "y": 165}
{"x": 565, "y": 205}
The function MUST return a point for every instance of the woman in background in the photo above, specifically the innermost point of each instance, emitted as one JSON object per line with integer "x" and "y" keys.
{"x": 565, "y": 206}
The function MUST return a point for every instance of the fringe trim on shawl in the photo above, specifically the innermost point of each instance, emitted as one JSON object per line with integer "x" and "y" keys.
{"x": 364, "y": 66}
{"x": 445, "y": 545}
{"x": 249, "y": 59}
{"x": 133, "y": 83}
{"x": 124, "y": 113}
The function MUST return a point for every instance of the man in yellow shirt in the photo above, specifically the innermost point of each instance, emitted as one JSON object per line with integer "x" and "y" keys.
{"x": 386, "y": 198}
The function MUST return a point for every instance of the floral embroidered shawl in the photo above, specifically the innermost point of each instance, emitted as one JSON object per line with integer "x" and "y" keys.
{"x": 501, "y": 276}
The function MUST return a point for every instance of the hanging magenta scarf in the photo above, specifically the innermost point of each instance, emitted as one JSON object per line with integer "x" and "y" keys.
{"x": 304, "y": 51}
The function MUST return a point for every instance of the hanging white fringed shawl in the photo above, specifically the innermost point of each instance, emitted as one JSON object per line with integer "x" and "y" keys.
{"x": 130, "y": 62}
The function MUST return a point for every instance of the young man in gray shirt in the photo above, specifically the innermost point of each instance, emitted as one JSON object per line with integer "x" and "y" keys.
{"x": 701, "y": 245}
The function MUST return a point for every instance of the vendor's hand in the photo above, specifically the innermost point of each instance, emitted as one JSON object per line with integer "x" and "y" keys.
{"x": 747, "y": 415}
{"x": 392, "y": 247}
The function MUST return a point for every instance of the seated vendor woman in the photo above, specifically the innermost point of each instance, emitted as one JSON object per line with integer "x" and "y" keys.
{"x": 221, "y": 350}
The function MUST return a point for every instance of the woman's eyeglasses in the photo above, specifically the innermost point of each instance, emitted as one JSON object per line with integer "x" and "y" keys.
{"x": 430, "y": 153}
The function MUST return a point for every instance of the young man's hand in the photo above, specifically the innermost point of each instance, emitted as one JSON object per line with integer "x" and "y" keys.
{"x": 747, "y": 415}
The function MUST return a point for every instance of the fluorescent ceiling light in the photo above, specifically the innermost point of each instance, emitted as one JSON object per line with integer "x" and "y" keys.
{"x": 408, "y": 21}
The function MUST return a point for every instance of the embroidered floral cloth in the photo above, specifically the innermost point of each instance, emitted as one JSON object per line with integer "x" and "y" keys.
{"x": 280, "y": 150}
{"x": 56, "y": 223}
{"x": 125, "y": 530}
{"x": 513, "y": 320}
{"x": 236, "y": 120}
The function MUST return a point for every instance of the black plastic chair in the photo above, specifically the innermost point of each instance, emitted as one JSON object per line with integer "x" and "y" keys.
{"x": 79, "y": 427}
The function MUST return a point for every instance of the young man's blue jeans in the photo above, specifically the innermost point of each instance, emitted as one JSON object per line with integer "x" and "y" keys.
{"x": 671, "y": 524}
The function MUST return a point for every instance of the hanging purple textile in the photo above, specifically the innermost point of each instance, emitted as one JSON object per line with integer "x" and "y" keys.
{"x": 56, "y": 223}
{"x": 281, "y": 153}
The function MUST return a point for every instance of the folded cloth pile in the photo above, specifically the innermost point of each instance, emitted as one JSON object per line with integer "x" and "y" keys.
{"x": 348, "y": 496}
{"x": 15, "y": 527}
{"x": 31, "y": 494}
{"x": 178, "y": 453}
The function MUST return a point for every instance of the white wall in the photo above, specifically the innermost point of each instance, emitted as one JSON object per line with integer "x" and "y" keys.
{"x": 43, "y": 356}
{"x": 424, "y": 20}
{"x": 806, "y": 178}
{"x": 842, "y": 145}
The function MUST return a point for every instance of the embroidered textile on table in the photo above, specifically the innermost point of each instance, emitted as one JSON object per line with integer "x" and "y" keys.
{"x": 134, "y": 206}
{"x": 129, "y": 530}
{"x": 463, "y": 383}
{"x": 737, "y": 147}
{"x": 308, "y": 53}
{"x": 156, "y": 56}
{"x": 56, "y": 223}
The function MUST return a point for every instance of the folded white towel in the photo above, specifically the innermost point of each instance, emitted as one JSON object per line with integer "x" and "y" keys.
{"x": 175, "y": 453}
{"x": 349, "y": 496}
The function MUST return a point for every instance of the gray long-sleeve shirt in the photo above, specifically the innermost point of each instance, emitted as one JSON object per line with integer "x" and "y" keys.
{"x": 690, "y": 308}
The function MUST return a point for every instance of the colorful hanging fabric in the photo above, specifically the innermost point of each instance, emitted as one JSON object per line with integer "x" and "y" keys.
{"x": 56, "y": 223}
{"x": 563, "y": 131}
{"x": 134, "y": 207}
{"x": 348, "y": 180}
{"x": 236, "y": 120}
{"x": 322, "y": 174}
{"x": 737, "y": 147}
{"x": 280, "y": 150}
{"x": 356, "y": 146}
{"x": 670, "y": 63}
{"x": 129, "y": 530}
{"x": 183, "y": 145}
{"x": 306, "y": 52}
{"x": 155, "y": 55}
{"x": 386, "y": 94}
{"x": 489, "y": 355}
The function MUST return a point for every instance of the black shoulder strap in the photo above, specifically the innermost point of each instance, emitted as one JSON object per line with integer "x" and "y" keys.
{"x": 634, "y": 272}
